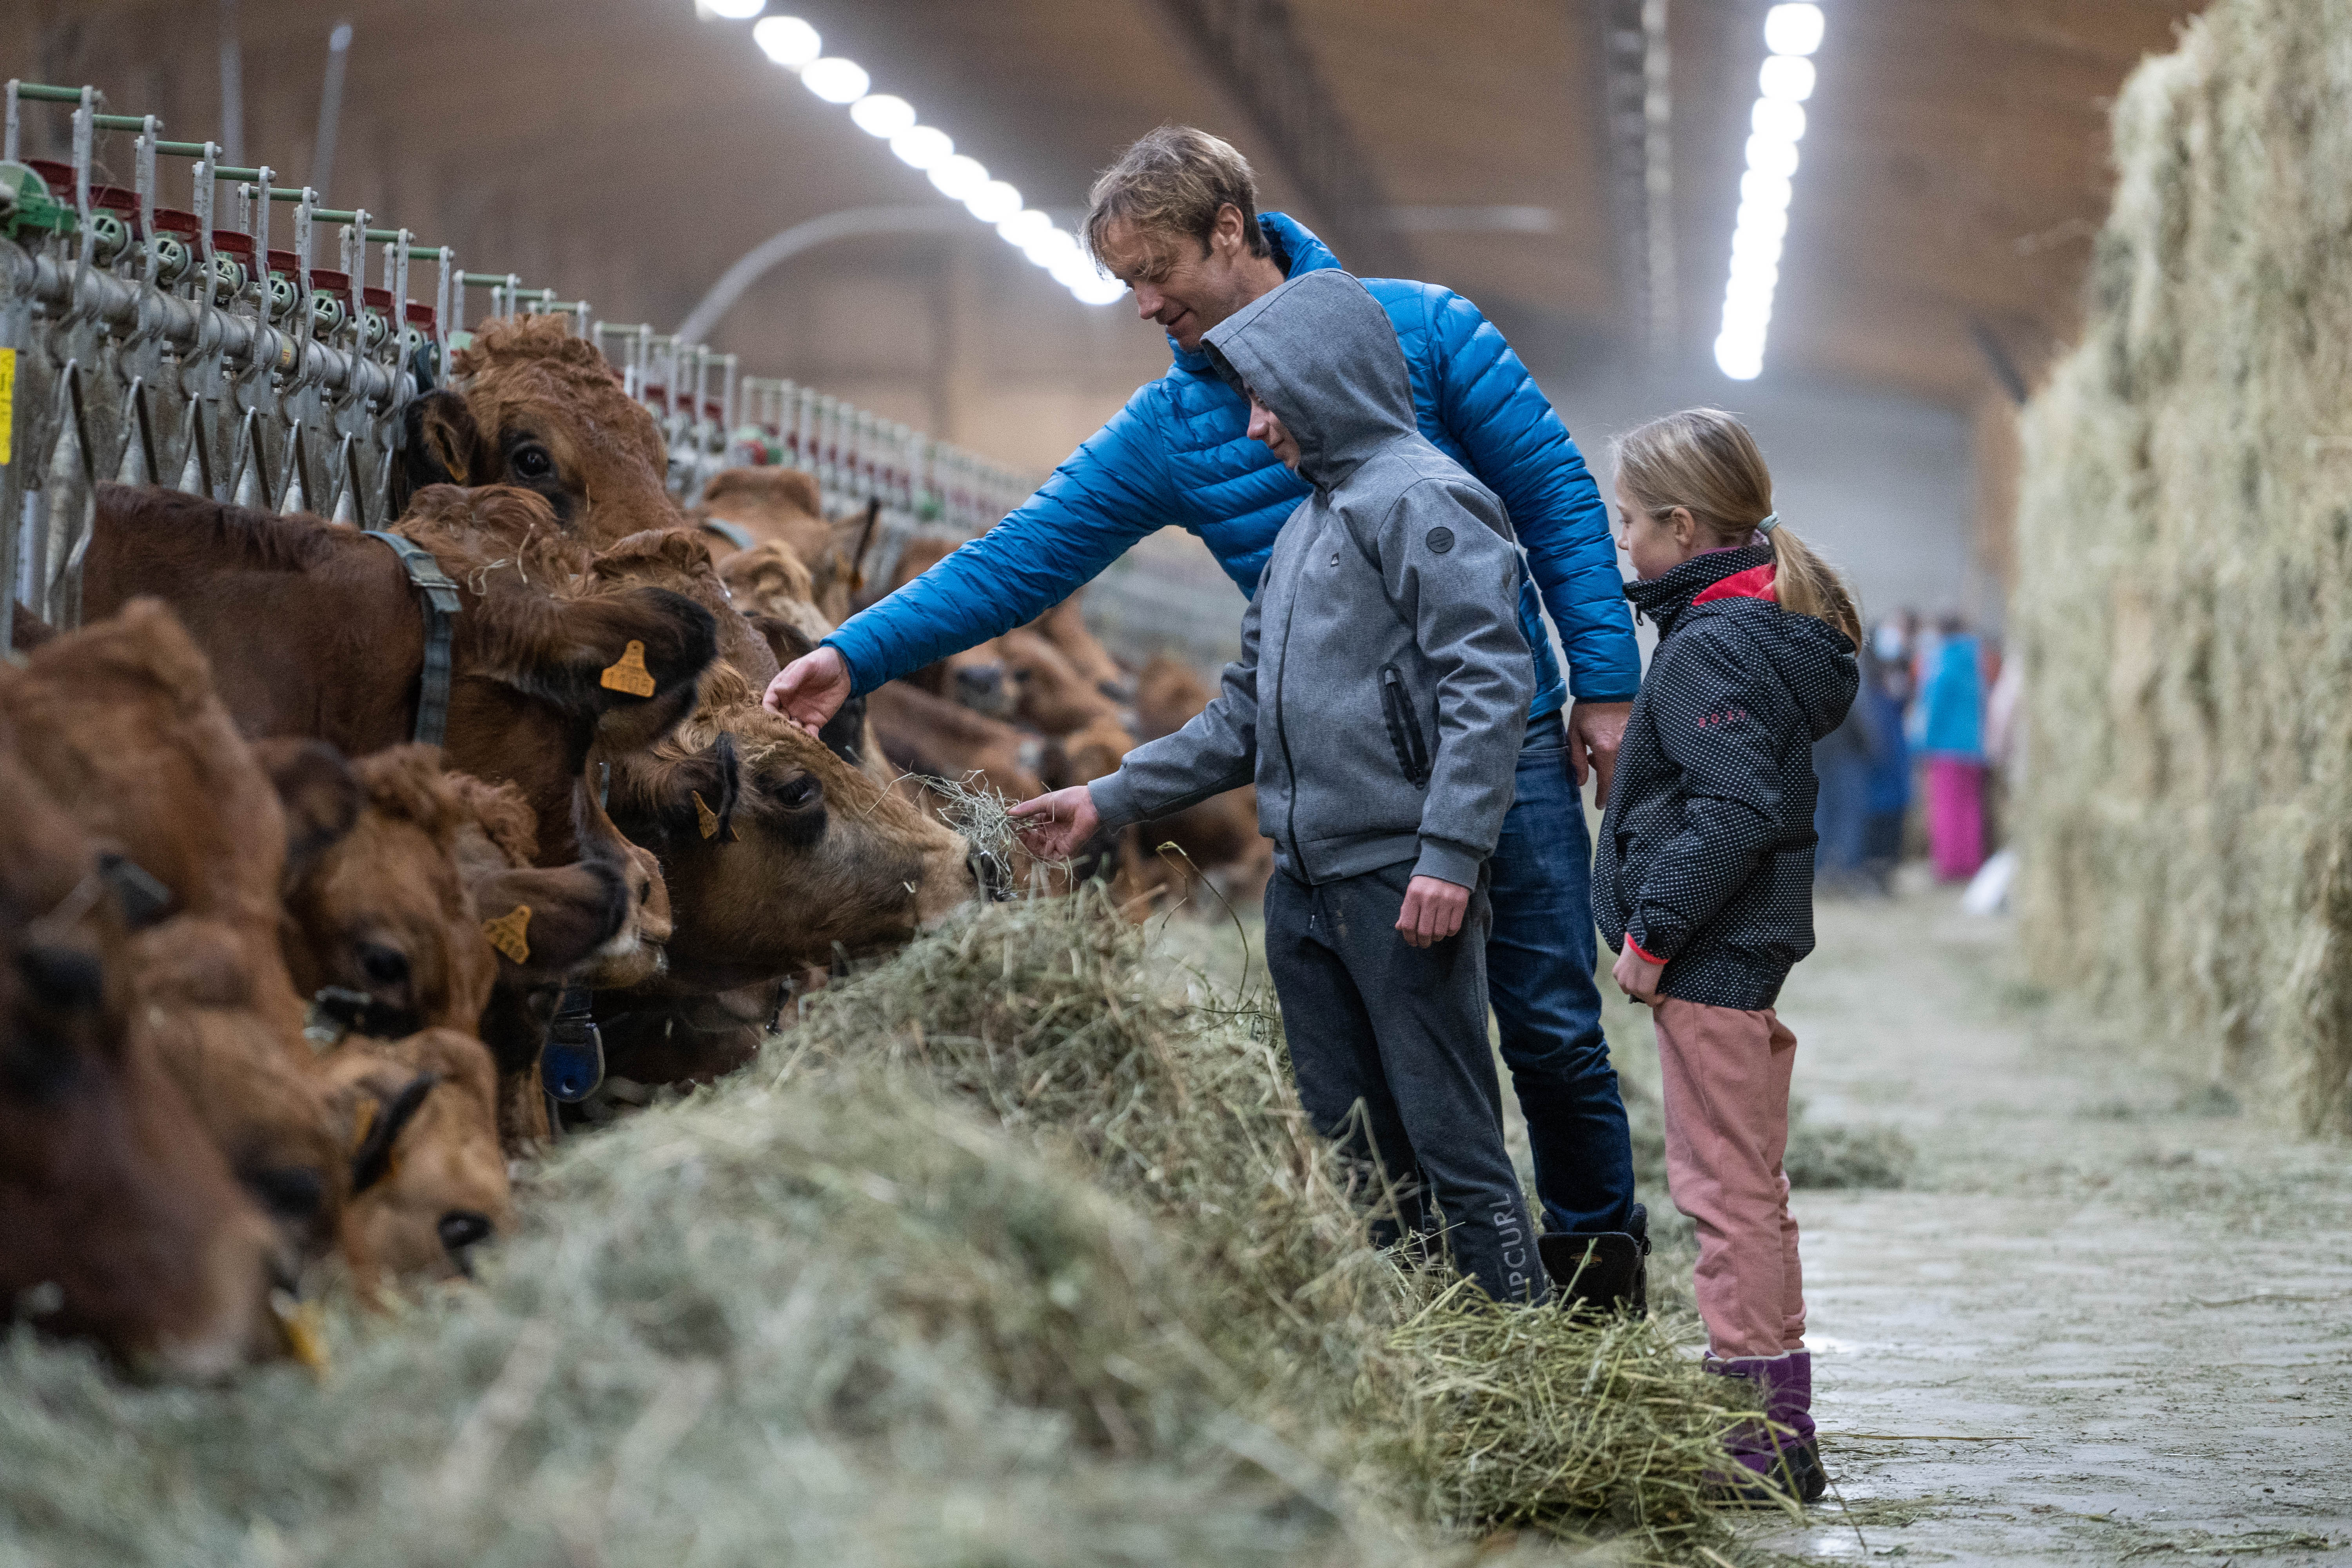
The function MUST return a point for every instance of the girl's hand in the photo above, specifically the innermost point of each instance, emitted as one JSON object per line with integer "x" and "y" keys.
{"x": 1637, "y": 976}
{"x": 1054, "y": 826}
{"x": 1432, "y": 911}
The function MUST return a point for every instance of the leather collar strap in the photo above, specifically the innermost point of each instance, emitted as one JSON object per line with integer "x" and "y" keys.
{"x": 733, "y": 533}
{"x": 439, "y": 596}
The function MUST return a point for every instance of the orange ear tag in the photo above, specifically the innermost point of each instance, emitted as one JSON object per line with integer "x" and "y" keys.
{"x": 705, "y": 815}
{"x": 629, "y": 675}
{"x": 505, "y": 933}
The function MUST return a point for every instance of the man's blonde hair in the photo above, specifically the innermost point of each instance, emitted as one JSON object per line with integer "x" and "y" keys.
{"x": 1175, "y": 181}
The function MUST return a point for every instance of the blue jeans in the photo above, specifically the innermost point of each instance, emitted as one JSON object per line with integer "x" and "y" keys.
{"x": 1540, "y": 962}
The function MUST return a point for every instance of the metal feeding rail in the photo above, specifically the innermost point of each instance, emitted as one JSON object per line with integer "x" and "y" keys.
{"x": 152, "y": 344}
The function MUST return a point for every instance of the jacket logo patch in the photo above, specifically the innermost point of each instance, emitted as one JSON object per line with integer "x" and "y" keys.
{"x": 1727, "y": 716}
{"x": 1440, "y": 541}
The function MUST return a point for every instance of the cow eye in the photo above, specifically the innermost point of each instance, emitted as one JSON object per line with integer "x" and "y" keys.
{"x": 801, "y": 790}
{"x": 384, "y": 966}
{"x": 291, "y": 1193}
{"x": 532, "y": 461}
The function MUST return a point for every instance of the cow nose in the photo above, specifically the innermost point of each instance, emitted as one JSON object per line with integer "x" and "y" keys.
{"x": 979, "y": 685}
{"x": 994, "y": 877}
{"x": 462, "y": 1230}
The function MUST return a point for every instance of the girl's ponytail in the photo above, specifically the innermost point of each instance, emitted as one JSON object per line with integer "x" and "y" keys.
{"x": 1704, "y": 461}
{"x": 1804, "y": 583}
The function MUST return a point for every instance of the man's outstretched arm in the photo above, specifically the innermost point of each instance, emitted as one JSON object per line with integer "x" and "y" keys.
{"x": 1111, "y": 492}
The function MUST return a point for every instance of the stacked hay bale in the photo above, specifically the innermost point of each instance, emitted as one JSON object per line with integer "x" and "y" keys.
{"x": 2186, "y": 544}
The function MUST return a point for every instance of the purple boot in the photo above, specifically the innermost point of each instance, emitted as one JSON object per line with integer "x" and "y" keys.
{"x": 1777, "y": 1457}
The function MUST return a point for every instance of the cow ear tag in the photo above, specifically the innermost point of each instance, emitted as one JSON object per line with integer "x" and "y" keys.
{"x": 705, "y": 815}
{"x": 630, "y": 674}
{"x": 505, "y": 933}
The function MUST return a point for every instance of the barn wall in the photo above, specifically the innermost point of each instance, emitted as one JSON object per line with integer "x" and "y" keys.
{"x": 2185, "y": 551}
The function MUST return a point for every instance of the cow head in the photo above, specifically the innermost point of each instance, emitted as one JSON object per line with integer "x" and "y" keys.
{"x": 428, "y": 1181}
{"x": 122, "y": 1221}
{"x": 811, "y": 858}
{"x": 536, "y": 408}
{"x": 380, "y": 929}
{"x": 781, "y": 508}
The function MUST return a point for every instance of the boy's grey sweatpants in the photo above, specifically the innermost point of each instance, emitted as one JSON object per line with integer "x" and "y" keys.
{"x": 1403, "y": 1029}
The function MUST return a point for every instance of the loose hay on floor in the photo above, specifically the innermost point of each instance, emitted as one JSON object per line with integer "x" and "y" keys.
{"x": 2184, "y": 602}
{"x": 1009, "y": 1252}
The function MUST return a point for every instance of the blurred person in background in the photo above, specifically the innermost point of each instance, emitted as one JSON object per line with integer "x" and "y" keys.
{"x": 1952, "y": 736}
{"x": 1176, "y": 219}
{"x": 1886, "y": 690}
{"x": 1844, "y": 762}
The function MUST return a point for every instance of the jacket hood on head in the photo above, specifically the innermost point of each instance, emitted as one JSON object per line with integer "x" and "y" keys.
{"x": 1322, "y": 354}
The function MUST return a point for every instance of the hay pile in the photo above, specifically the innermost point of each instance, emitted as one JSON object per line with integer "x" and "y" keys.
{"x": 2185, "y": 598}
{"x": 1008, "y": 1252}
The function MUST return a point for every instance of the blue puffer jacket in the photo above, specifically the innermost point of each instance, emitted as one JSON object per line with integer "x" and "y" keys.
{"x": 1179, "y": 453}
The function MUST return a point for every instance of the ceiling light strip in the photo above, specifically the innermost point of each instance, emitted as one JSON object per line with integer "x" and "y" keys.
{"x": 797, "y": 47}
{"x": 1776, "y": 125}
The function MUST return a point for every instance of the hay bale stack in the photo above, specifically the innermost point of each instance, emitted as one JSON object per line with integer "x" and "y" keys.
{"x": 2185, "y": 544}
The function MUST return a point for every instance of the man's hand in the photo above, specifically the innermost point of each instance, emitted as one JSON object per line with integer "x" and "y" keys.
{"x": 1432, "y": 911}
{"x": 1054, "y": 826}
{"x": 810, "y": 689}
{"x": 1597, "y": 729}
{"x": 1637, "y": 976}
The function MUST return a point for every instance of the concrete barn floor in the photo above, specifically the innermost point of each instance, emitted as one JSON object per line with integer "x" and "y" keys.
{"x": 2108, "y": 1319}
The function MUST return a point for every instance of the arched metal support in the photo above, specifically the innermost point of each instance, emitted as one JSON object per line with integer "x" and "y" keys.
{"x": 853, "y": 222}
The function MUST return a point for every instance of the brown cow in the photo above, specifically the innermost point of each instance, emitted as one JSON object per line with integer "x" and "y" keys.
{"x": 118, "y": 723}
{"x": 931, "y": 737}
{"x": 1220, "y": 835}
{"x": 120, "y": 1219}
{"x": 539, "y": 408}
{"x": 428, "y": 1183}
{"x": 1049, "y": 692}
{"x": 782, "y": 507}
{"x": 315, "y": 631}
{"x": 1065, "y": 628}
{"x": 778, "y": 853}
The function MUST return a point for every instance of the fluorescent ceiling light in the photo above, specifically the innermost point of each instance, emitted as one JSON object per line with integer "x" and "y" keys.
{"x": 787, "y": 40}
{"x": 1793, "y": 30}
{"x": 994, "y": 202}
{"x": 959, "y": 178}
{"x": 883, "y": 114}
{"x": 1789, "y": 78}
{"x": 735, "y": 10}
{"x": 835, "y": 80}
{"x": 1769, "y": 155}
{"x": 1757, "y": 189}
{"x": 1023, "y": 228}
{"x": 1099, "y": 290}
{"x": 1778, "y": 119}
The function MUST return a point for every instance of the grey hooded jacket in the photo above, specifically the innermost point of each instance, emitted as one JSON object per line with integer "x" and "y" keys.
{"x": 1383, "y": 684}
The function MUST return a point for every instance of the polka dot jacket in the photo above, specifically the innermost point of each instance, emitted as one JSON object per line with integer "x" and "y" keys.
{"x": 1705, "y": 858}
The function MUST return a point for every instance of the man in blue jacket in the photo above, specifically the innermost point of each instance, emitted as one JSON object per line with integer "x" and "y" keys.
{"x": 1176, "y": 219}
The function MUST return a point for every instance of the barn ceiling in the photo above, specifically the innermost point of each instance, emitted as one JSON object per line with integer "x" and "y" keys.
{"x": 1954, "y": 168}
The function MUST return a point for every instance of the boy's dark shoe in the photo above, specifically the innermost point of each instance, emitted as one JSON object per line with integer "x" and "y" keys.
{"x": 1600, "y": 1273}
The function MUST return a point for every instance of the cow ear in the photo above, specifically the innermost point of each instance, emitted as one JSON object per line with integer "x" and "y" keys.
{"x": 441, "y": 442}
{"x": 321, "y": 798}
{"x": 382, "y": 1125}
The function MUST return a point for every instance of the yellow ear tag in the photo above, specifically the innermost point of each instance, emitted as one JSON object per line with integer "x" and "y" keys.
{"x": 363, "y": 1124}
{"x": 304, "y": 1327}
{"x": 505, "y": 933}
{"x": 705, "y": 815}
{"x": 630, "y": 675}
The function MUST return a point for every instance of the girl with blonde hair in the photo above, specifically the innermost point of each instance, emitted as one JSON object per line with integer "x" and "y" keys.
{"x": 1702, "y": 881}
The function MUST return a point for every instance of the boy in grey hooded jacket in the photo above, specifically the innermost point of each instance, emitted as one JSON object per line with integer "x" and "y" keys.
{"x": 1378, "y": 706}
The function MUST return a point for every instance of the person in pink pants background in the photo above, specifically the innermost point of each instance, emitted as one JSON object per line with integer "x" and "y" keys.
{"x": 1704, "y": 882}
{"x": 1953, "y": 740}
